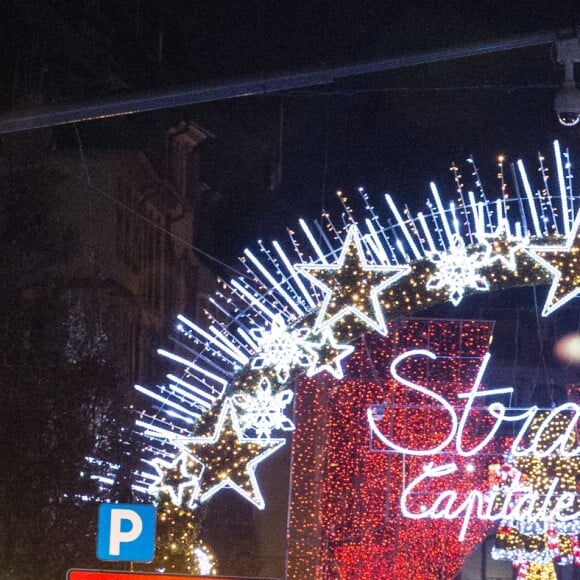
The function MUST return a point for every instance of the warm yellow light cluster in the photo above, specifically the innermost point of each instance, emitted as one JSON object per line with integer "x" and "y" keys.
{"x": 555, "y": 473}
{"x": 177, "y": 534}
{"x": 541, "y": 571}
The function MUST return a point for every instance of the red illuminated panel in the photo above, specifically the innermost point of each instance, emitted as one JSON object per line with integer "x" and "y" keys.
{"x": 111, "y": 575}
{"x": 345, "y": 515}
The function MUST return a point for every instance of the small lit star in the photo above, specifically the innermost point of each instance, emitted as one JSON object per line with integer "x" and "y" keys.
{"x": 175, "y": 478}
{"x": 330, "y": 355}
{"x": 504, "y": 246}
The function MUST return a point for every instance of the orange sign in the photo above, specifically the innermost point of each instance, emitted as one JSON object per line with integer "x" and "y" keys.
{"x": 106, "y": 575}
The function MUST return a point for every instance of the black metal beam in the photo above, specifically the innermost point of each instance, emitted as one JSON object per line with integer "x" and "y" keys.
{"x": 139, "y": 103}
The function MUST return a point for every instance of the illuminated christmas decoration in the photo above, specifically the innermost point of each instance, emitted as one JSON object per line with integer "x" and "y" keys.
{"x": 177, "y": 536}
{"x": 563, "y": 261}
{"x": 227, "y": 458}
{"x": 457, "y": 269}
{"x": 175, "y": 479}
{"x": 352, "y": 285}
{"x": 280, "y": 349}
{"x": 263, "y": 412}
{"x": 205, "y": 560}
{"x": 505, "y": 246}
{"x": 295, "y": 311}
{"x": 329, "y": 355}
{"x": 534, "y": 538}
{"x": 351, "y": 526}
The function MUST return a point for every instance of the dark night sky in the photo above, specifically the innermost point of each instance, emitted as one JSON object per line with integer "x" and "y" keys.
{"x": 388, "y": 132}
{"x": 392, "y": 132}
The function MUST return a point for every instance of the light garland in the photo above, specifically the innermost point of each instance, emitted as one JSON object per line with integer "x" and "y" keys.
{"x": 177, "y": 538}
{"x": 297, "y": 311}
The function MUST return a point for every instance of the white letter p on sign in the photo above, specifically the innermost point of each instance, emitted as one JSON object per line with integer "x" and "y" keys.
{"x": 118, "y": 535}
{"x": 126, "y": 532}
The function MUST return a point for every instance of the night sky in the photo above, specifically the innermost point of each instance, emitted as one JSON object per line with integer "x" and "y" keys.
{"x": 388, "y": 132}
{"x": 392, "y": 132}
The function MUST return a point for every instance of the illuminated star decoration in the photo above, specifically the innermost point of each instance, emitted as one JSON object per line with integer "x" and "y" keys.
{"x": 330, "y": 355}
{"x": 352, "y": 285}
{"x": 229, "y": 458}
{"x": 563, "y": 262}
{"x": 335, "y": 286}
{"x": 280, "y": 349}
{"x": 264, "y": 412}
{"x": 504, "y": 246}
{"x": 174, "y": 478}
{"x": 457, "y": 269}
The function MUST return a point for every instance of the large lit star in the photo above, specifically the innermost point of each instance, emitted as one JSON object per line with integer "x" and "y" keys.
{"x": 229, "y": 458}
{"x": 352, "y": 286}
{"x": 563, "y": 262}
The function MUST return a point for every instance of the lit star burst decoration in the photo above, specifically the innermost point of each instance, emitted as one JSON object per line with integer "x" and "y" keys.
{"x": 228, "y": 458}
{"x": 263, "y": 411}
{"x": 352, "y": 285}
{"x": 563, "y": 263}
{"x": 298, "y": 305}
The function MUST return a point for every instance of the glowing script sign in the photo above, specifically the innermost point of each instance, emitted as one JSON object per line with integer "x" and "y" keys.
{"x": 520, "y": 501}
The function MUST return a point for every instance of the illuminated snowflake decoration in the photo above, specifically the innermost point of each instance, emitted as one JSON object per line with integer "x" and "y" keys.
{"x": 263, "y": 411}
{"x": 457, "y": 269}
{"x": 280, "y": 349}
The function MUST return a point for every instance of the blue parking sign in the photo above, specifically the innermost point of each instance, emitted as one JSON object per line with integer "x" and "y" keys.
{"x": 126, "y": 532}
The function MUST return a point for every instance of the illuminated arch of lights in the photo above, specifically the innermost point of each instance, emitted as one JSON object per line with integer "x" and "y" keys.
{"x": 298, "y": 307}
